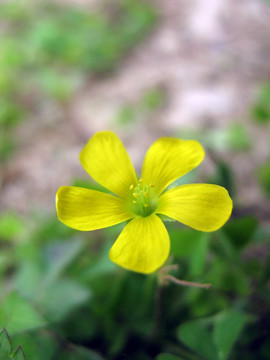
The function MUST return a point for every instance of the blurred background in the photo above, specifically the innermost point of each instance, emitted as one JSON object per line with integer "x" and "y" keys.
{"x": 192, "y": 69}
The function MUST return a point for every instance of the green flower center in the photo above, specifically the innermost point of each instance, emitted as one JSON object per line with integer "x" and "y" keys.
{"x": 143, "y": 200}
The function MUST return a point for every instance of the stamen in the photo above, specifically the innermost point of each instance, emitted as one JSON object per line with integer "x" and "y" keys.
{"x": 143, "y": 199}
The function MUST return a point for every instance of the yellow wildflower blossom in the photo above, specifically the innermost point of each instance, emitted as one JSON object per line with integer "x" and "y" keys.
{"x": 144, "y": 243}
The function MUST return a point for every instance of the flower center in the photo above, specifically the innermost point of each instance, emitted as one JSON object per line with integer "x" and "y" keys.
{"x": 143, "y": 200}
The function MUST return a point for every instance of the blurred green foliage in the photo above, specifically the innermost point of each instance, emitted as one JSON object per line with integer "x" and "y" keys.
{"x": 264, "y": 177}
{"x": 62, "y": 298}
{"x": 48, "y": 51}
{"x": 143, "y": 109}
{"x": 260, "y": 111}
{"x": 10, "y": 226}
{"x": 233, "y": 137}
{"x": 6, "y": 351}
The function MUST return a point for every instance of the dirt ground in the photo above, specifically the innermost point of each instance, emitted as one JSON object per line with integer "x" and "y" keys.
{"x": 208, "y": 55}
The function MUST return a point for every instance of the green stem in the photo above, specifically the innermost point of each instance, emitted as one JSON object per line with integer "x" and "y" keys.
{"x": 187, "y": 283}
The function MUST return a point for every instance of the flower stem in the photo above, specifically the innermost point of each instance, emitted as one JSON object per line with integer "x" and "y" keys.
{"x": 187, "y": 283}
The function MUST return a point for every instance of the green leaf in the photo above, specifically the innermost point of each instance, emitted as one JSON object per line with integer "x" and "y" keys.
{"x": 7, "y": 145}
{"x": 198, "y": 256}
{"x": 154, "y": 98}
{"x": 168, "y": 357}
{"x": 184, "y": 242}
{"x": 5, "y": 345}
{"x": 28, "y": 278}
{"x": 18, "y": 354}
{"x": 192, "y": 244}
{"x": 59, "y": 255}
{"x": 234, "y": 137}
{"x": 265, "y": 274}
{"x": 10, "y": 114}
{"x": 241, "y": 230}
{"x": 102, "y": 264}
{"x": 227, "y": 328}
{"x": 126, "y": 115}
{"x": 261, "y": 109}
{"x": 264, "y": 177}
{"x": 38, "y": 344}
{"x": 57, "y": 85}
{"x": 10, "y": 226}
{"x": 197, "y": 337}
{"x": 223, "y": 176}
{"x": 6, "y": 348}
{"x": 238, "y": 138}
{"x": 79, "y": 353}
{"x": 68, "y": 293}
{"x": 17, "y": 314}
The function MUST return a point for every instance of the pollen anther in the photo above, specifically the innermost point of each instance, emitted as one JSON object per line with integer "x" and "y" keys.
{"x": 143, "y": 200}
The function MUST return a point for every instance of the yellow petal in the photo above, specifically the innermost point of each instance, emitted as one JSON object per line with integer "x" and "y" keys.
{"x": 86, "y": 210}
{"x": 203, "y": 207}
{"x": 142, "y": 246}
{"x": 105, "y": 159}
{"x": 168, "y": 159}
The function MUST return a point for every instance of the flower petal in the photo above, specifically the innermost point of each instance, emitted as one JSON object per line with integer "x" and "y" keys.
{"x": 142, "y": 246}
{"x": 86, "y": 210}
{"x": 105, "y": 159}
{"x": 203, "y": 207}
{"x": 168, "y": 159}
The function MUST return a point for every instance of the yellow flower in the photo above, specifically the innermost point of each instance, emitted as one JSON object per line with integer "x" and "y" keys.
{"x": 144, "y": 243}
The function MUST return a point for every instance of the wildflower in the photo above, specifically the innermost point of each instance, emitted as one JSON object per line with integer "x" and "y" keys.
{"x": 143, "y": 245}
